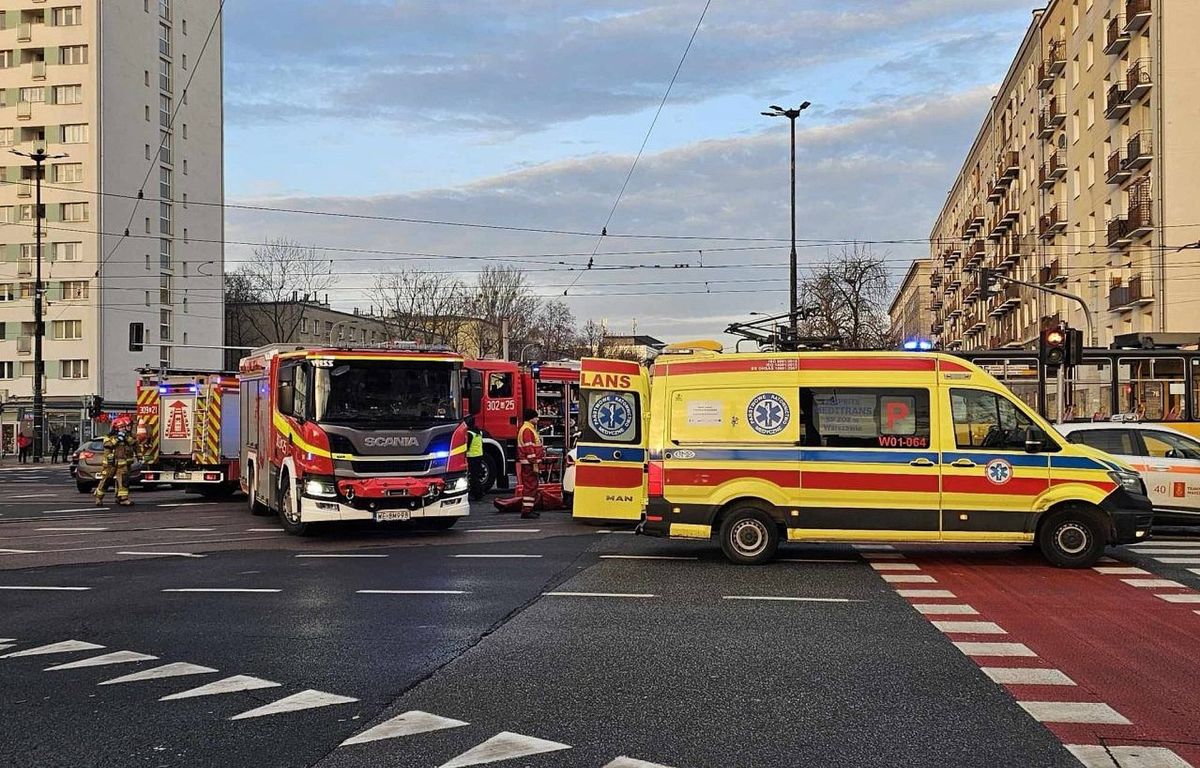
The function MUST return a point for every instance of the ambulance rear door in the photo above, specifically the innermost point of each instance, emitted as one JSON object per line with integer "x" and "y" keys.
{"x": 610, "y": 480}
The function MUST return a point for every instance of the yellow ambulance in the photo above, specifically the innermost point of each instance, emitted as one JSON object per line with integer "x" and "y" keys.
{"x": 755, "y": 448}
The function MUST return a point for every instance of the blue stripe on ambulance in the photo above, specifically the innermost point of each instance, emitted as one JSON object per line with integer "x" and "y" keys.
{"x": 607, "y": 453}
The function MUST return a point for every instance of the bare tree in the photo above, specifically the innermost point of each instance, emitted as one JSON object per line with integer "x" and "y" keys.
{"x": 266, "y": 297}
{"x": 590, "y": 339}
{"x": 847, "y": 295}
{"x": 426, "y": 307}
{"x": 502, "y": 295}
{"x": 554, "y": 330}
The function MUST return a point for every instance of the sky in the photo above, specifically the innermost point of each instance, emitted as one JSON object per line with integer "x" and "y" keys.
{"x": 527, "y": 115}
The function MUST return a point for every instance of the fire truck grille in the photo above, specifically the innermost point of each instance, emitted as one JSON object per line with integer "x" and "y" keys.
{"x": 411, "y": 466}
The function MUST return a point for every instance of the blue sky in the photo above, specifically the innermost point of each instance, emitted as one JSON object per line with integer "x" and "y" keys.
{"x": 528, "y": 113}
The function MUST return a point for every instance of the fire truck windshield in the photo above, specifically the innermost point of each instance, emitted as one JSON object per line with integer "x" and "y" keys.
{"x": 387, "y": 393}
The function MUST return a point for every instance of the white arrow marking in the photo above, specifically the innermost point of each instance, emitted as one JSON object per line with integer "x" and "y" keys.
{"x": 304, "y": 700}
{"x": 408, "y": 724}
{"x": 116, "y": 657}
{"x": 629, "y": 762}
{"x": 66, "y": 646}
{"x": 176, "y": 669}
{"x": 504, "y": 746}
{"x": 228, "y": 685}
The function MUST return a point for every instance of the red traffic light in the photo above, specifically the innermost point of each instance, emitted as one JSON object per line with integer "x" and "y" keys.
{"x": 1055, "y": 337}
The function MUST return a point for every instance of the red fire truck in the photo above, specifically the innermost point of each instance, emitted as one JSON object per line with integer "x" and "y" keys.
{"x": 506, "y": 390}
{"x": 354, "y": 434}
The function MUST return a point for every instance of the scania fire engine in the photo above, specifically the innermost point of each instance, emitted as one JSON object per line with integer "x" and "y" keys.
{"x": 354, "y": 434}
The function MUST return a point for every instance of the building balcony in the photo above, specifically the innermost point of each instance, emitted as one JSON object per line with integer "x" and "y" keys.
{"x": 1115, "y": 104}
{"x": 1052, "y": 222}
{"x": 995, "y": 191}
{"x": 1050, "y": 118}
{"x": 954, "y": 282}
{"x": 935, "y": 302}
{"x": 1137, "y": 81}
{"x": 1011, "y": 164}
{"x": 24, "y": 32}
{"x": 1125, "y": 295}
{"x": 1139, "y": 150}
{"x": 1053, "y": 65}
{"x": 1116, "y": 39}
{"x": 1053, "y": 170}
{"x": 976, "y": 253}
{"x": 24, "y": 110}
{"x": 1137, "y": 14}
{"x": 24, "y": 345}
{"x": 1118, "y": 233}
{"x": 1141, "y": 217}
{"x": 935, "y": 279}
{"x": 1051, "y": 274}
{"x": 1117, "y": 172}
{"x": 24, "y": 189}
{"x": 1011, "y": 213}
{"x": 38, "y": 69}
{"x": 951, "y": 256}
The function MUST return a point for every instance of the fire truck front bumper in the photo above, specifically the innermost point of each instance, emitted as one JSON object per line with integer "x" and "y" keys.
{"x": 390, "y": 498}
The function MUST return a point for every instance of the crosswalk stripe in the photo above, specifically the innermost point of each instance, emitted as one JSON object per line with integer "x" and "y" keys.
{"x": 228, "y": 685}
{"x": 1169, "y": 560}
{"x": 1073, "y": 712}
{"x": 1184, "y": 597}
{"x": 175, "y": 669}
{"x": 66, "y": 646}
{"x": 948, "y": 608}
{"x": 308, "y": 699}
{"x": 994, "y": 649}
{"x": 970, "y": 627}
{"x": 1115, "y": 570}
{"x": 1172, "y": 552}
{"x": 1154, "y": 543}
{"x": 908, "y": 578}
{"x": 504, "y": 746}
{"x": 1152, "y": 583}
{"x": 1111, "y": 756}
{"x": 896, "y": 566}
{"x": 926, "y": 593}
{"x": 629, "y": 762}
{"x": 408, "y": 724}
{"x": 1027, "y": 676}
{"x": 116, "y": 657}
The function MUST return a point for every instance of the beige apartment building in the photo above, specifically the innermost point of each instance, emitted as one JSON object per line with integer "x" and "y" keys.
{"x": 98, "y": 82}
{"x": 909, "y": 313}
{"x": 1083, "y": 178}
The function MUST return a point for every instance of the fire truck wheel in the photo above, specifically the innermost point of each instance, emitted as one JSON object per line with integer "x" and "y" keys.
{"x": 288, "y": 517}
{"x": 748, "y": 535}
{"x": 257, "y": 508}
{"x": 491, "y": 471}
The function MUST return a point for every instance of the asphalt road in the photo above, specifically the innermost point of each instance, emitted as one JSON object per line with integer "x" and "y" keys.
{"x": 545, "y": 643}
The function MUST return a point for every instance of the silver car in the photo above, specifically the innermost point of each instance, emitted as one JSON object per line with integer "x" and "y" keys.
{"x": 88, "y": 459}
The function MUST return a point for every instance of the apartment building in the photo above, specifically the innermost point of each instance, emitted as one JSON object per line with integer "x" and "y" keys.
{"x": 101, "y": 84}
{"x": 909, "y": 312}
{"x": 1082, "y": 178}
{"x": 303, "y": 320}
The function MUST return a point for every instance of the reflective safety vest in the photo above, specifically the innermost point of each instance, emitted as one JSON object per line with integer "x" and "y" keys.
{"x": 529, "y": 443}
{"x": 474, "y": 444}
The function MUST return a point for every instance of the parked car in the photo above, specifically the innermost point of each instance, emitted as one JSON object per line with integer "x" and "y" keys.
{"x": 1168, "y": 460}
{"x": 86, "y": 462}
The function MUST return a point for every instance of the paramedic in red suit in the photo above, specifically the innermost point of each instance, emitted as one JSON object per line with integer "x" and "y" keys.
{"x": 529, "y": 456}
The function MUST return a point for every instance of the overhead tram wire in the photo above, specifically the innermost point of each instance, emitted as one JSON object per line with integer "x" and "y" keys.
{"x": 645, "y": 140}
{"x": 154, "y": 158}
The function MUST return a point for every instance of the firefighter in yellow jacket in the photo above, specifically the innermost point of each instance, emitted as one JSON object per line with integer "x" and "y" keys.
{"x": 529, "y": 455}
{"x": 120, "y": 451}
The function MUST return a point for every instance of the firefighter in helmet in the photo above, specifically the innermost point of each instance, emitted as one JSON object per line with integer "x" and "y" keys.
{"x": 530, "y": 453}
{"x": 120, "y": 451}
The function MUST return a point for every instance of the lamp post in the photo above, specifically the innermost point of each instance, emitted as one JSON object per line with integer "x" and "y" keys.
{"x": 791, "y": 115}
{"x": 38, "y": 157}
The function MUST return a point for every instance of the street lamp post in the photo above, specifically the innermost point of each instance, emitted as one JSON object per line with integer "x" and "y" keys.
{"x": 791, "y": 115}
{"x": 39, "y": 365}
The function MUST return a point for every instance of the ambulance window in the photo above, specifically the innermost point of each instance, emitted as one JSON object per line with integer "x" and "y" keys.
{"x": 847, "y": 417}
{"x": 500, "y": 385}
{"x": 988, "y": 421}
{"x": 610, "y": 417}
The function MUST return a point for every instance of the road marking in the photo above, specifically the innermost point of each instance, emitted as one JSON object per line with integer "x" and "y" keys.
{"x": 792, "y": 599}
{"x": 1179, "y": 560}
{"x": 970, "y": 627}
{"x": 504, "y": 746}
{"x": 79, "y": 509}
{"x": 500, "y": 557}
{"x": 883, "y": 555}
{"x": 116, "y": 657}
{"x": 308, "y": 699}
{"x": 161, "y": 543}
{"x": 18, "y": 552}
{"x": 66, "y": 646}
{"x": 928, "y": 608}
{"x": 1108, "y": 756}
{"x": 162, "y": 554}
{"x": 228, "y": 685}
{"x": 1153, "y": 552}
{"x": 994, "y": 649}
{"x": 35, "y": 496}
{"x": 1026, "y": 676}
{"x": 872, "y": 547}
{"x": 896, "y": 566}
{"x": 623, "y": 533}
{"x": 408, "y": 724}
{"x": 908, "y": 578}
{"x": 811, "y": 560}
{"x": 1120, "y": 571}
{"x": 188, "y": 530}
{"x": 1152, "y": 583}
{"x": 502, "y": 530}
{"x": 411, "y": 592}
{"x": 1165, "y": 543}
{"x": 629, "y": 762}
{"x": 341, "y": 556}
{"x": 595, "y": 594}
{"x": 187, "y": 504}
{"x": 264, "y": 530}
{"x": 44, "y": 589}
{"x": 1073, "y": 712}
{"x": 1195, "y": 571}
{"x": 220, "y": 589}
{"x": 79, "y": 530}
{"x": 1187, "y": 597}
{"x": 925, "y": 593}
{"x": 647, "y": 557}
{"x": 175, "y": 669}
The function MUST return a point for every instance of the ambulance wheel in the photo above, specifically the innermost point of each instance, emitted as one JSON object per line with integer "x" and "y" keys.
{"x": 749, "y": 536}
{"x": 257, "y": 508}
{"x": 1072, "y": 538}
{"x": 289, "y": 517}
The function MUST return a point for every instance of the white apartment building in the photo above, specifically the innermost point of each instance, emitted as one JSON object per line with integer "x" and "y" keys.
{"x": 102, "y": 82}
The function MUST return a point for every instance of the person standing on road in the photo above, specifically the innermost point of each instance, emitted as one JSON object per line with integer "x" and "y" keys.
{"x": 120, "y": 451}
{"x": 23, "y": 443}
{"x": 529, "y": 455}
{"x": 55, "y": 443}
{"x": 65, "y": 446}
{"x": 475, "y": 467}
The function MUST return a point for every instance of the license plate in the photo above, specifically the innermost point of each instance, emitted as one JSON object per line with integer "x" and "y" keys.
{"x": 389, "y": 515}
{"x": 183, "y": 475}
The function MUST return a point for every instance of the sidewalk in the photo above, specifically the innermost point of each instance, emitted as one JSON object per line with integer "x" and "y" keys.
{"x": 10, "y": 462}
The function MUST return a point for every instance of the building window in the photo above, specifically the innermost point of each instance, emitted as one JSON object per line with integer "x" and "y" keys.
{"x": 6, "y": 137}
{"x": 33, "y": 95}
{"x": 164, "y": 40}
{"x": 74, "y": 212}
{"x": 1091, "y": 171}
{"x": 164, "y": 75}
{"x": 66, "y": 251}
{"x": 6, "y": 369}
{"x": 164, "y": 289}
{"x": 185, "y": 130}
{"x": 164, "y": 218}
{"x": 68, "y": 94}
{"x": 164, "y": 183}
{"x": 164, "y": 9}
{"x": 73, "y": 369}
{"x": 164, "y": 147}
{"x": 164, "y": 324}
{"x": 6, "y": 292}
{"x": 75, "y": 134}
{"x": 164, "y": 111}
{"x": 73, "y": 54}
{"x": 1091, "y": 110}
{"x": 1090, "y": 52}
{"x": 28, "y": 251}
{"x": 67, "y": 173}
{"x": 6, "y": 59}
{"x": 185, "y": 166}
{"x": 8, "y": 214}
{"x": 73, "y": 290}
{"x": 67, "y": 17}
{"x": 27, "y": 213}
{"x": 164, "y": 253}
{"x": 184, "y": 58}
{"x": 68, "y": 330}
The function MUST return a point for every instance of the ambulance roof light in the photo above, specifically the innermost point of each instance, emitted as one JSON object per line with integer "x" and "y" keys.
{"x": 707, "y": 345}
{"x": 918, "y": 345}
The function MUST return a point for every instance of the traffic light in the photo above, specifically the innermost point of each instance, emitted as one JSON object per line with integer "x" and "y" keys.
{"x": 1053, "y": 348}
{"x": 985, "y": 284}
{"x": 95, "y": 406}
{"x": 1073, "y": 347}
